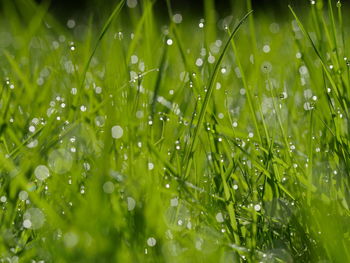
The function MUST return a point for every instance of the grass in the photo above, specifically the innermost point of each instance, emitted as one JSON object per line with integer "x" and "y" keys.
{"x": 182, "y": 138}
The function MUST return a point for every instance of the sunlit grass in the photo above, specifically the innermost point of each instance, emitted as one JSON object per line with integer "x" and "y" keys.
{"x": 177, "y": 139}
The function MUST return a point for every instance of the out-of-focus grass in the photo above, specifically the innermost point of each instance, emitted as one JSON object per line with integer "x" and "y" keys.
{"x": 120, "y": 143}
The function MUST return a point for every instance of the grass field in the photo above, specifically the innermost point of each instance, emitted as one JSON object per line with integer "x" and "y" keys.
{"x": 139, "y": 137}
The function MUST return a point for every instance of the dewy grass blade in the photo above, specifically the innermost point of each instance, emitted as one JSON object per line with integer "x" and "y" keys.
{"x": 108, "y": 23}
{"x": 210, "y": 90}
{"x": 329, "y": 76}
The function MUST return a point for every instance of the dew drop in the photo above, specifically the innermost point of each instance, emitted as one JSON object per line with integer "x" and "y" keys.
{"x": 41, "y": 172}
{"x": 108, "y": 187}
{"x": 60, "y": 161}
{"x": 151, "y": 241}
{"x": 177, "y": 18}
{"x": 3, "y": 199}
{"x": 34, "y": 218}
{"x": 117, "y": 132}
{"x": 71, "y": 23}
{"x": 131, "y": 203}
{"x": 257, "y": 207}
{"x": 169, "y": 42}
{"x": 219, "y": 217}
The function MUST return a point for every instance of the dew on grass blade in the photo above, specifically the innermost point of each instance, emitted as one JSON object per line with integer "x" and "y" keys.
{"x": 32, "y": 143}
{"x": 131, "y": 203}
{"x": 211, "y": 59}
{"x": 108, "y": 187}
{"x": 27, "y": 223}
{"x": 266, "y": 48}
{"x": 33, "y": 218}
{"x": 201, "y": 23}
{"x": 177, "y": 18}
{"x": 150, "y": 166}
{"x": 117, "y": 132}
{"x": 70, "y": 239}
{"x": 151, "y": 241}
{"x": 60, "y": 161}
{"x": 134, "y": 59}
{"x": 257, "y": 207}
{"x": 71, "y": 23}
{"x": 266, "y": 67}
{"x": 169, "y": 42}
{"x": 199, "y": 62}
{"x": 99, "y": 121}
{"x": 3, "y": 199}
{"x": 131, "y": 3}
{"x": 219, "y": 217}
{"x": 174, "y": 201}
{"x": 23, "y": 195}
{"x": 41, "y": 172}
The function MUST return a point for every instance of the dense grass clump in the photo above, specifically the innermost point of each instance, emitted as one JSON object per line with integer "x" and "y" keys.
{"x": 182, "y": 138}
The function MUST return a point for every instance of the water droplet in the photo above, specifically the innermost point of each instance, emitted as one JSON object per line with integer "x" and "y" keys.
{"x": 60, "y": 161}
{"x": 266, "y": 67}
{"x": 177, "y": 18}
{"x": 169, "y": 42}
{"x": 98, "y": 90}
{"x": 211, "y": 59}
{"x": 151, "y": 241}
{"x": 199, "y": 62}
{"x": 257, "y": 207}
{"x": 71, "y": 23}
{"x": 3, "y": 199}
{"x": 266, "y": 48}
{"x": 131, "y": 203}
{"x": 108, "y": 187}
{"x": 134, "y": 59}
{"x": 174, "y": 202}
{"x": 34, "y": 218}
{"x": 150, "y": 166}
{"x": 41, "y": 172}
{"x": 308, "y": 106}
{"x": 117, "y": 132}
{"x": 303, "y": 70}
{"x": 100, "y": 121}
{"x": 31, "y": 128}
{"x": 201, "y": 23}
{"x": 23, "y": 195}
{"x": 131, "y": 3}
{"x": 70, "y": 239}
{"x": 219, "y": 217}
{"x": 27, "y": 223}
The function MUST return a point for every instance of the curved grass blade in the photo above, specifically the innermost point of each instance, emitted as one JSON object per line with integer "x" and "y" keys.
{"x": 108, "y": 23}
{"x": 210, "y": 91}
{"x": 328, "y": 75}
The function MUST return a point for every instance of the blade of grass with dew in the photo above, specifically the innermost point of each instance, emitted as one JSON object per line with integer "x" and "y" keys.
{"x": 209, "y": 91}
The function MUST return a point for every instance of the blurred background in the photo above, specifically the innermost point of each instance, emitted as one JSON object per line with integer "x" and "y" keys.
{"x": 67, "y": 8}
